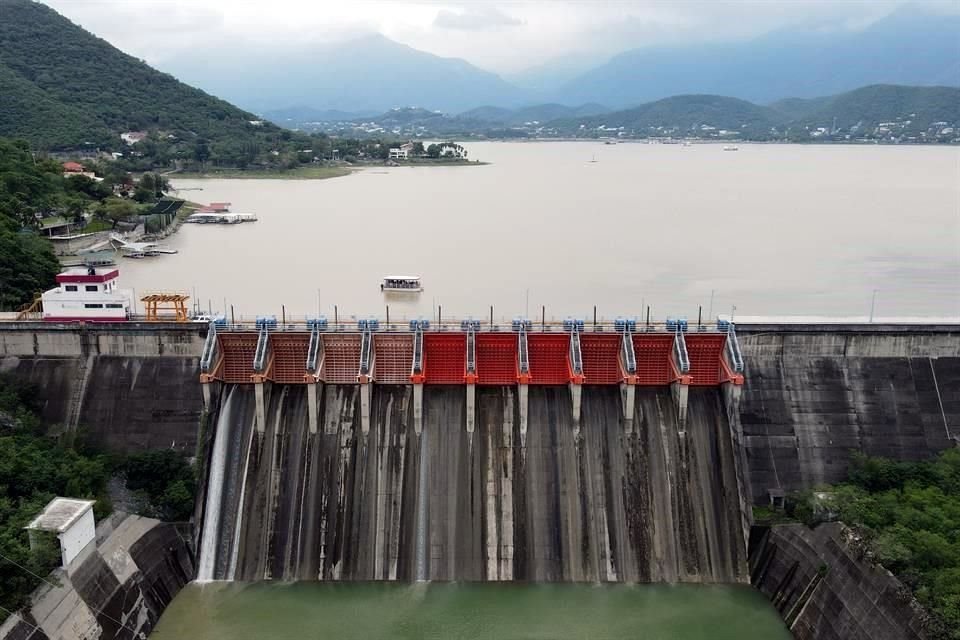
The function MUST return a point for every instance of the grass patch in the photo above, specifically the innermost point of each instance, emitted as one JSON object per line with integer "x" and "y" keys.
{"x": 97, "y": 225}
{"x": 300, "y": 173}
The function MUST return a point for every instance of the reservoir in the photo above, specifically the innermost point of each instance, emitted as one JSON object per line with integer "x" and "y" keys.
{"x": 439, "y": 611}
{"x": 772, "y": 229}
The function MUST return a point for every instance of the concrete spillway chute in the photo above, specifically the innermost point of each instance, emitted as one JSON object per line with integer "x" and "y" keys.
{"x": 576, "y": 375}
{"x": 417, "y": 376}
{"x": 365, "y": 374}
{"x": 470, "y": 374}
{"x": 523, "y": 374}
{"x": 628, "y": 387}
{"x": 209, "y": 361}
{"x": 681, "y": 386}
{"x": 312, "y": 376}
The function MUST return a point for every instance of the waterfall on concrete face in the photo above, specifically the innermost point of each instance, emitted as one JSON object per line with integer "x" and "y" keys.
{"x": 210, "y": 538}
{"x": 423, "y": 494}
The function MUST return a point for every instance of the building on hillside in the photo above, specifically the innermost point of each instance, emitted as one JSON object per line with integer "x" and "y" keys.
{"x": 77, "y": 169}
{"x": 133, "y": 137}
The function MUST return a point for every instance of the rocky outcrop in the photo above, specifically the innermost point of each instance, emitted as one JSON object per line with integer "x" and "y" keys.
{"x": 824, "y": 590}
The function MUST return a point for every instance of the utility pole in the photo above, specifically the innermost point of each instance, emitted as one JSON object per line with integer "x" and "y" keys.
{"x": 873, "y": 304}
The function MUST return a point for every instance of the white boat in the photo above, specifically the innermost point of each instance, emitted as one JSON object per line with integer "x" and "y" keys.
{"x": 404, "y": 284}
{"x": 730, "y": 147}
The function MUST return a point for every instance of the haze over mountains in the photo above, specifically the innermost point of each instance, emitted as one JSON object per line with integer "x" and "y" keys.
{"x": 373, "y": 74}
{"x": 62, "y": 87}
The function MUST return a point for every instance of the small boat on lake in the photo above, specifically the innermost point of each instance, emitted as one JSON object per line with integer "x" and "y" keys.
{"x": 401, "y": 284}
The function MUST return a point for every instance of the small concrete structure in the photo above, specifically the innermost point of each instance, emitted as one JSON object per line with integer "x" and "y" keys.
{"x": 72, "y": 521}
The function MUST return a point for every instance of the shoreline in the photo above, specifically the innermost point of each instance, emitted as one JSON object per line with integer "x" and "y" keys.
{"x": 315, "y": 173}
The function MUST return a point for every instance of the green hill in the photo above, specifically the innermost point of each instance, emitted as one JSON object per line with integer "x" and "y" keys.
{"x": 869, "y": 106}
{"x": 683, "y": 114}
{"x": 61, "y": 86}
{"x": 910, "y": 113}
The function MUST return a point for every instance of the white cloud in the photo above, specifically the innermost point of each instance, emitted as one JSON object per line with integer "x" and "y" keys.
{"x": 475, "y": 19}
{"x": 503, "y": 36}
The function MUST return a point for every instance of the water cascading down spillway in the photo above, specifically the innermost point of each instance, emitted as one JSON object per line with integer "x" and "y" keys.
{"x": 647, "y": 504}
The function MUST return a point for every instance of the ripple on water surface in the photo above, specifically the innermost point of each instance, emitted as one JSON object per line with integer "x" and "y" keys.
{"x": 222, "y": 611}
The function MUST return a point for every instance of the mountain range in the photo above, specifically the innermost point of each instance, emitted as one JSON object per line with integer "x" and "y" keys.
{"x": 63, "y": 88}
{"x": 373, "y": 74}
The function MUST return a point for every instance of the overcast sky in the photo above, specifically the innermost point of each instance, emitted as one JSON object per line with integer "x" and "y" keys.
{"x": 501, "y": 36}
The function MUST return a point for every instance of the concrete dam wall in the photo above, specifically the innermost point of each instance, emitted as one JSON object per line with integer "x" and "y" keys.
{"x": 812, "y": 395}
{"x": 126, "y": 387}
{"x": 553, "y": 503}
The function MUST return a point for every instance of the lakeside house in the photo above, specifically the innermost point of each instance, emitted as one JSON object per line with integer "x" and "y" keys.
{"x": 402, "y": 152}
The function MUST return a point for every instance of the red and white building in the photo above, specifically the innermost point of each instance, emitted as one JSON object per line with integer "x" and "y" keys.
{"x": 87, "y": 294}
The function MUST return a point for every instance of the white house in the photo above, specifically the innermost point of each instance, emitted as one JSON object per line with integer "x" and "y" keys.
{"x": 133, "y": 137}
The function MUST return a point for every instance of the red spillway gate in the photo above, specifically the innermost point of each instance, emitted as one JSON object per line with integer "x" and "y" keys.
{"x": 444, "y": 357}
{"x": 706, "y": 353}
{"x": 238, "y": 351}
{"x": 549, "y": 357}
{"x": 497, "y": 358}
{"x": 601, "y": 357}
{"x": 654, "y": 353}
{"x": 289, "y": 359}
{"x": 341, "y": 358}
{"x": 393, "y": 358}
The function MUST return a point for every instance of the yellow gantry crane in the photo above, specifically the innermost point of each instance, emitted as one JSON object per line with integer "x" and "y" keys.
{"x": 166, "y": 307}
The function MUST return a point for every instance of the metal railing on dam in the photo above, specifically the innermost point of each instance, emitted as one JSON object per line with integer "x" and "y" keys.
{"x": 457, "y": 352}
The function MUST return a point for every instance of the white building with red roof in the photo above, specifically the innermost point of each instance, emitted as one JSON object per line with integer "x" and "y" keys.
{"x": 87, "y": 294}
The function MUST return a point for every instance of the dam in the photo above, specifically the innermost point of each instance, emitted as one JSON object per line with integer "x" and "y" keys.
{"x": 473, "y": 453}
{"x": 469, "y": 453}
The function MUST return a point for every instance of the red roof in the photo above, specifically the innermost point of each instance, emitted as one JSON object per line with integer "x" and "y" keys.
{"x": 83, "y": 275}
{"x": 72, "y": 167}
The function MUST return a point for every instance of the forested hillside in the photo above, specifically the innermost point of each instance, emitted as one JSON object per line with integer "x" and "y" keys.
{"x": 870, "y": 106}
{"x": 27, "y": 187}
{"x": 63, "y": 88}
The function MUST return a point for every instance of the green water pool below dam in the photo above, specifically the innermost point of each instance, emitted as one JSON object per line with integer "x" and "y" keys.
{"x": 315, "y": 611}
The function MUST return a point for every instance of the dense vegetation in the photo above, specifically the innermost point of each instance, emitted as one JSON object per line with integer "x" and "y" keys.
{"x": 27, "y": 187}
{"x": 35, "y": 468}
{"x": 34, "y": 189}
{"x": 908, "y": 514}
{"x": 63, "y": 88}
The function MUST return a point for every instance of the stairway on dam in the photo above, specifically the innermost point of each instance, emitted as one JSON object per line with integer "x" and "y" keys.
{"x": 603, "y": 503}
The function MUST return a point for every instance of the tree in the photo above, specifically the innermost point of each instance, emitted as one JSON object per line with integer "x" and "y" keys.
{"x": 418, "y": 149}
{"x": 115, "y": 210}
{"x": 433, "y": 151}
